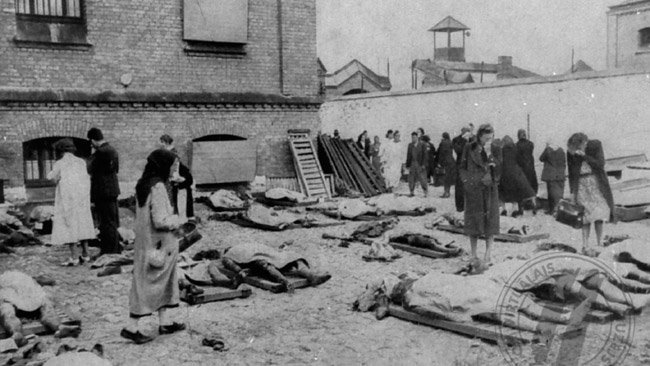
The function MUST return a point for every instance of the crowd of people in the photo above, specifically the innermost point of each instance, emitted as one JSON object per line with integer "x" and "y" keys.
{"x": 497, "y": 177}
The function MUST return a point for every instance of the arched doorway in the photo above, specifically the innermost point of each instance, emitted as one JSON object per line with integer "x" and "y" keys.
{"x": 223, "y": 158}
{"x": 38, "y": 158}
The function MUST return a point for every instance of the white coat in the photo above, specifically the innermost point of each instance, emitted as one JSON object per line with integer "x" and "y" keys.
{"x": 72, "y": 219}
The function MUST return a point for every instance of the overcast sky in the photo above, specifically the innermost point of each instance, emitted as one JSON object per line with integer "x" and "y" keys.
{"x": 539, "y": 34}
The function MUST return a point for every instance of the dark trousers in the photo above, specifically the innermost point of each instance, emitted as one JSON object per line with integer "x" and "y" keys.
{"x": 189, "y": 202}
{"x": 418, "y": 173}
{"x": 555, "y": 190}
{"x": 459, "y": 194}
{"x": 109, "y": 220}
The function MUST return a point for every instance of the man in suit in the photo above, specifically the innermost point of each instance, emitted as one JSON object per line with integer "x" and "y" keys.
{"x": 104, "y": 190}
{"x": 416, "y": 162}
{"x": 554, "y": 173}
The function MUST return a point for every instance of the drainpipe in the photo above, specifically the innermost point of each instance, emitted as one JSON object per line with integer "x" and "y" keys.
{"x": 280, "y": 47}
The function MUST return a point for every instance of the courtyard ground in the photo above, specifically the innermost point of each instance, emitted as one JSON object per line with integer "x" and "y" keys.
{"x": 314, "y": 326}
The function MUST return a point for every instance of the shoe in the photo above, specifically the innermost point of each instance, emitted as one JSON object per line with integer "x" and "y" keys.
{"x": 137, "y": 337}
{"x": 172, "y": 328}
{"x": 83, "y": 259}
{"x": 316, "y": 280}
{"x": 109, "y": 271}
{"x": 70, "y": 263}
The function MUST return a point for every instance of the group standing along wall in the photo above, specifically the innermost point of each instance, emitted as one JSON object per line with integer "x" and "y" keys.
{"x": 610, "y": 106}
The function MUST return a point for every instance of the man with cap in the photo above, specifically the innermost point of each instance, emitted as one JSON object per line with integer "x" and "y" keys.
{"x": 458, "y": 144}
{"x": 104, "y": 190}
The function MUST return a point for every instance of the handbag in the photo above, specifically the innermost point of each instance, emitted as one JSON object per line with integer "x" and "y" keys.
{"x": 570, "y": 213}
{"x": 156, "y": 257}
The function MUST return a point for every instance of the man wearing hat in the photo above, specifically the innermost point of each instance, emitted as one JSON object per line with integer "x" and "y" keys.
{"x": 104, "y": 190}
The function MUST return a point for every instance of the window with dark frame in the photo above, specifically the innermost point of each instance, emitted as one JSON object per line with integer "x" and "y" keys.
{"x": 49, "y": 8}
{"x": 644, "y": 37}
{"x": 50, "y": 23}
{"x": 39, "y": 158}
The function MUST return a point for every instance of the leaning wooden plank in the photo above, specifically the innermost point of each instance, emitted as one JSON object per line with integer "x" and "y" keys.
{"x": 421, "y": 251}
{"x": 265, "y": 284}
{"x": 474, "y": 330}
{"x": 212, "y": 294}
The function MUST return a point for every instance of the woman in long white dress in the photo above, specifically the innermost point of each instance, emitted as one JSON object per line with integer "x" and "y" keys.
{"x": 72, "y": 222}
{"x": 395, "y": 157}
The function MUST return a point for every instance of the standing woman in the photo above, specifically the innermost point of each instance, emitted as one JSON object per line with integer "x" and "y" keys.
{"x": 480, "y": 171}
{"x": 514, "y": 186}
{"x": 554, "y": 173}
{"x": 72, "y": 222}
{"x": 394, "y": 160}
{"x": 155, "y": 280}
{"x": 525, "y": 158}
{"x": 363, "y": 142}
{"x": 374, "y": 155}
{"x": 445, "y": 160}
{"x": 589, "y": 185}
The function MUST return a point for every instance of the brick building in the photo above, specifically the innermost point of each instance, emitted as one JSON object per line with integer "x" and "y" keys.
{"x": 226, "y": 77}
{"x": 628, "y": 35}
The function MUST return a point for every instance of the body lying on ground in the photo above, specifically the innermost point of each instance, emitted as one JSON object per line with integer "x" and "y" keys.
{"x": 438, "y": 295}
{"x": 22, "y": 297}
{"x": 261, "y": 260}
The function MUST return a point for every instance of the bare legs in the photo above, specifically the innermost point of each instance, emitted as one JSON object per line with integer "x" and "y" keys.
{"x": 473, "y": 242}
{"x": 598, "y": 228}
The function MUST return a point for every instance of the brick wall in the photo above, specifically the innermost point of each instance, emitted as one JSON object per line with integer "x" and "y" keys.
{"x": 135, "y": 132}
{"x": 144, "y": 38}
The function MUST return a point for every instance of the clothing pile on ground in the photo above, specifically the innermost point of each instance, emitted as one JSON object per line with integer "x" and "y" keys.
{"x": 283, "y": 194}
{"x": 385, "y": 204}
{"x": 223, "y": 200}
{"x": 13, "y": 233}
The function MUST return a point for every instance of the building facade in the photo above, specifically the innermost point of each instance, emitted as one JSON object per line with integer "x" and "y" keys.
{"x": 201, "y": 71}
{"x": 628, "y": 35}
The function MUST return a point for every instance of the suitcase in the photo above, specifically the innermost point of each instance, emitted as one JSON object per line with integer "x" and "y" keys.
{"x": 569, "y": 213}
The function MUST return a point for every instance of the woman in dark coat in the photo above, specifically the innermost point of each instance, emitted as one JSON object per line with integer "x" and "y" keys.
{"x": 363, "y": 142}
{"x": 430, "y": 152}
{"x": 589, "y": 184}
{"x": 445, "y": 160}
{"x": 513, "y": 186}
{"x": 525, "y": 158}
{"x": 480, "y": 171}
{"x": 554, "y": 174}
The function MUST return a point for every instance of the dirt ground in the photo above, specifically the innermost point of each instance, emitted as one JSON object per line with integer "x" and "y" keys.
{"x": 314, "y": 326}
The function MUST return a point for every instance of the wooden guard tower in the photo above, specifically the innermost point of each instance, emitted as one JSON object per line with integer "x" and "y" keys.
{"x": 449, "y": 25}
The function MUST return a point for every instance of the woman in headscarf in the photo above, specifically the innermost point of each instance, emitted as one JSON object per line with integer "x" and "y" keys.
{"x": 155, "y": 280}
{"x": 445, "y": 160}
{"x": 513, "y": 187}
{"x": 525, "y": 158}
{"x": 480, "y": 171}
{"x": 72, "y": 222}
{"x": 589, "y": 185}
{"x": 363, "y": 142}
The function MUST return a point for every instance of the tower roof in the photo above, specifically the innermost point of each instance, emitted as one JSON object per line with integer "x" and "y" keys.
{"x": 449, "y": 24}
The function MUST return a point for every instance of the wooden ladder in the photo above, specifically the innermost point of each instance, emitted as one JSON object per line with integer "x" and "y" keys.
{"x": 308, "y": 169}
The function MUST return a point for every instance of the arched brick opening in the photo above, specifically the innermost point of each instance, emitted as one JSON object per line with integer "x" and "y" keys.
{"x": 217, "y": 128}
{"x": 40, "y": 129}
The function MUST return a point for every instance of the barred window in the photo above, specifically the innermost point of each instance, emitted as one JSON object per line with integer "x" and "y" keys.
{"x": 39, "y": 158}
{"x": 52, "y": 8}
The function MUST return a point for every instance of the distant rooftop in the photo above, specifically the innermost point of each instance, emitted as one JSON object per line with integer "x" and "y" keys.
{"x": 350, "y": 69}
{"x": 449, "y": 24}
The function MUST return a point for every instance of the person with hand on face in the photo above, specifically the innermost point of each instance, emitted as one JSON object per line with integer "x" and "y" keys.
{"x": 104, "y": 190}
{"x": 480, "y": 171}
{"x": 589, "y": 185}
{"x": 416, "y": 163}
{"x": 458, "y": 144}
{"x": 181, "y": 179}
{"x": 155, "y": 278}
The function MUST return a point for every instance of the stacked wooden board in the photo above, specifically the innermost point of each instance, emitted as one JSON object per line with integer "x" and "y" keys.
{"x": 347, "y": 162}
{"x": 308, "y": 169}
